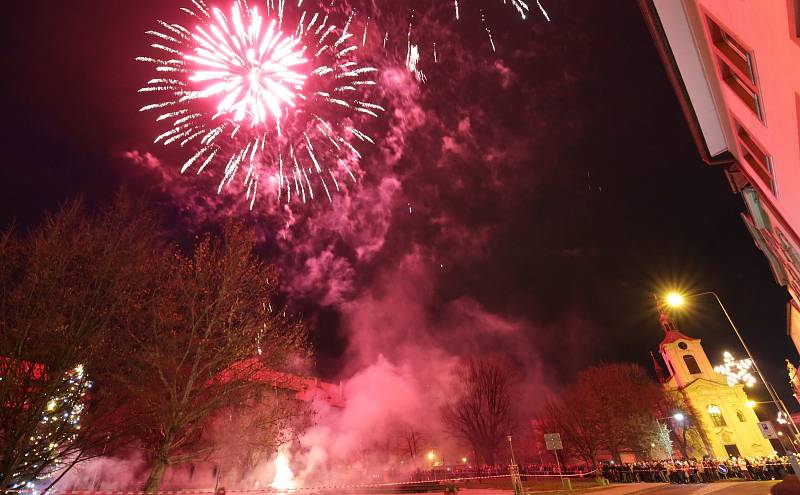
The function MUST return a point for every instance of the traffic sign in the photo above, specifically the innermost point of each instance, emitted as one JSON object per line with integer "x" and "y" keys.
{"x": 767, "y": 430}
{"x": 553, "y": 441}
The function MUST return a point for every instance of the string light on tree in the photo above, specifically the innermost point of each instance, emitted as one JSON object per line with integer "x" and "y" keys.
{"x": 58, "y": 426}
{"x": 736, "y": 370}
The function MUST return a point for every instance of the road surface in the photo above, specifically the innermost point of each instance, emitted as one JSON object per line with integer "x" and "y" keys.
{"x": 720, "y": 488}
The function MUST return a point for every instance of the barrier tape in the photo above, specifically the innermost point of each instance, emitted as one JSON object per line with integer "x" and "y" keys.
{"x": 320, "y": 488}
{"x": 709, "y": 468}
{"x": 406, "y": 483}
{"x": 324, "y": 488}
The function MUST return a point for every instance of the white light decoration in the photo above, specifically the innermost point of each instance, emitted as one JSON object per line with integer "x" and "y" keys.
{"x": 57, "y": 427}
{"x": 736, "y": 370}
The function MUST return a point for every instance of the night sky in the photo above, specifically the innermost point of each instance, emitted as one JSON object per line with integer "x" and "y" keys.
{"x": 553, "y": 184}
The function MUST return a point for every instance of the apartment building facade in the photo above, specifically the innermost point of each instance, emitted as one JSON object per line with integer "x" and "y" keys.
{"x": 735, "y": 68}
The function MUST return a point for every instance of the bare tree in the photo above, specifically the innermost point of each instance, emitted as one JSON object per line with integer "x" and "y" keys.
{"x": 623, "y": 402}
{"x": 409, "y": 439}
{"x": 64, "y": 288}
{"x": 482, "y": 412}
{"x": 575, "y": 417}
{"x": 205, "y": 329}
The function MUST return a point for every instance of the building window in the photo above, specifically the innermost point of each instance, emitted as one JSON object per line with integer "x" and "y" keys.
{"x": 755, "y": 156}
{"x": 716, "y": 415}
{"x": 790, "y": 253}
{"x": 797, "y": 104}
{"x": 691, "y": 363}
{"x": 794, "y": 19}
{"x": 740, "y": 415}
{"x": 736, "y": 66}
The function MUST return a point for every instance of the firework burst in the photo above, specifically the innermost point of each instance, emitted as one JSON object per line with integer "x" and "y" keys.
{"x": 270, "y": 105}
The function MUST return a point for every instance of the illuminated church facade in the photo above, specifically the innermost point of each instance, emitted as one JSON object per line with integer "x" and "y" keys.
{"x": 731, "y": 427}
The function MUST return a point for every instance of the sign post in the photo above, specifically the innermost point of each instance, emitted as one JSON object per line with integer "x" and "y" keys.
{"x": 553, "y": 442}
{"x": 768, "y": 432}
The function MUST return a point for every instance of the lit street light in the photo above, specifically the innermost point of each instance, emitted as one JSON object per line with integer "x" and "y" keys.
{"x": 675, "y": 300}
{"x": 432, "y": 458}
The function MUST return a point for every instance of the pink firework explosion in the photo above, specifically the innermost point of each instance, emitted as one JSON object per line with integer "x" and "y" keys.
{"x": 252, "y": 69}
{"x": 275, "y": 106}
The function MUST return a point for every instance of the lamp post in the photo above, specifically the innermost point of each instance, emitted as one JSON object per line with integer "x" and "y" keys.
{"x": 513, "y": 470}
{"x": 676, "y": 300}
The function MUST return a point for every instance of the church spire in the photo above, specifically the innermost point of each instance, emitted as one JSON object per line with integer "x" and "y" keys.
{"x": 663, "y": 318}
{"x": 671, "y": 332}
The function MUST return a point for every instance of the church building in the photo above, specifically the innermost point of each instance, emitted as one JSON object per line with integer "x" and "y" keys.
{"x": 731, "y": 427}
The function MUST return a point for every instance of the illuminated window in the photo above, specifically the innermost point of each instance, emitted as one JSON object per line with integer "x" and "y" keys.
{"x": 716, "y": 415}
{"x": 737, "y": 69}
{"x": 755, "y": 156}
{"x": 691, "y": 364}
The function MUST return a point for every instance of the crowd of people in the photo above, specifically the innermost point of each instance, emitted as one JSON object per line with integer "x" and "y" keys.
{"x": 666, "y": 471}
{"x": 460, "y": 471}
{"x": 697, "y": 471}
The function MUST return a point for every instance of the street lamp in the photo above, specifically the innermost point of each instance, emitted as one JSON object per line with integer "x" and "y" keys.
{"x": 676, "y": 300}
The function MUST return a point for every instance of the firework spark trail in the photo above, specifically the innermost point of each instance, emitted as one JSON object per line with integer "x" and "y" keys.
{"x": 544, "y": 12}
{"x": 488, "y": 31}
{"x": 412, "y": 55}
{"x": 237, "y": 88}
{"x": 521, "y": 7}
{"x": 413, "y": 52}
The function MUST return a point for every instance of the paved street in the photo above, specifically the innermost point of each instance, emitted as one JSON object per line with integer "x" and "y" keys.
{"x": 723, "y": 488}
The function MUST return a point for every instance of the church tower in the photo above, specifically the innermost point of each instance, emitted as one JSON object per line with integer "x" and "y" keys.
{"x": 730, "y": 426}
{"x": 684, "y": 356}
